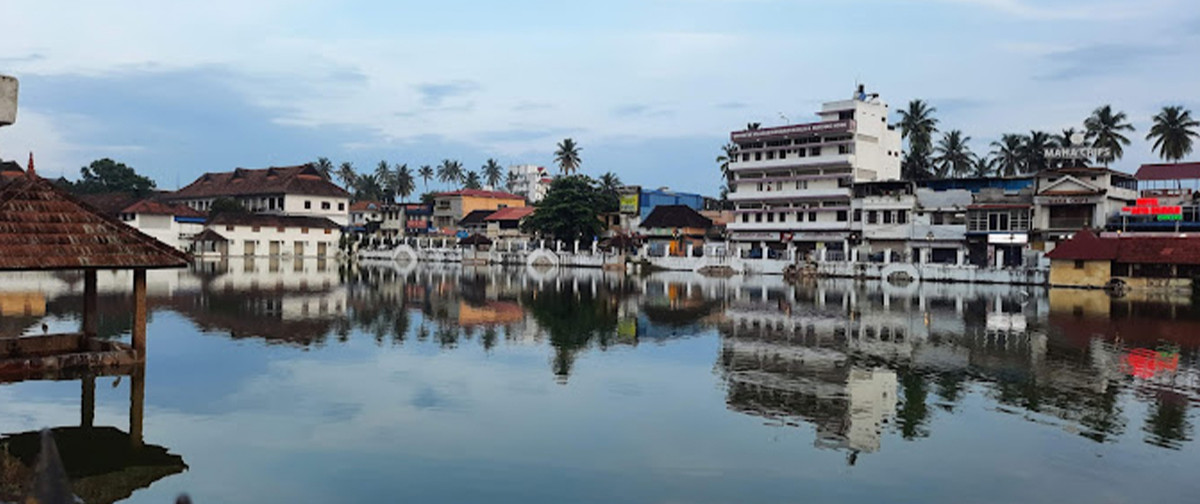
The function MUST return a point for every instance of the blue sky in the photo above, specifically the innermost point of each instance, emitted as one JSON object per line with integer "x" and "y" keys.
{"x": 650, "y": 89}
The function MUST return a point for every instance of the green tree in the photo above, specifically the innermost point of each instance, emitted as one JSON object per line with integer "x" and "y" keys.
{"x": 1033, "y": 151}
{"x": 492, "y": 174}
{"x": 954, "y": 156}
{"x": 347, "y": 175}
{"x": 472, "y": 181}
{"x": 367, "y": 187}
{"x": 383, "y": 175}
{"x": 226, "y": 206}
{"x": 917, "y": 125}
{"x": 567, "y": 156}
{"x": 108, "y": 176}
{"x": 325, "y": 166}
{"x": 426, "y": 173}
{"x": 513, "y": 180}
{"x": 729, "y": 153}
{"x": 1009, "y": 154}
{"x": 450, "y": 172}
{"x": 1064, "y": 140}
{"x": 1172, "y": 133}
{"x": 610, "y": 187}
{"x": 753, "y": 126}
{"x": 984, "y": 167}
{"x": 405, "y": 183}
{"x": 570, "y": 210}
{"x": 1104, "y": 129}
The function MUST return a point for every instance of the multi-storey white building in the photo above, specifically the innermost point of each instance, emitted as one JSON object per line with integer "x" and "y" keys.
{"x": 530, "y": 181}
{"x": 290, "y": 190}
{"x": 792, "y": 184}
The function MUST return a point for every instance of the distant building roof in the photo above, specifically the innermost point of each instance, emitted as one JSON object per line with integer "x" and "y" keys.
{"x": 366, "y": 206}
{"x": 148, "y": 206}
{"x": 1086, "y": 246}
{"x": 43, "y": 227}
{"x": 475, "y": 217}
{"x": 109, "y": 203}
{"x": 1176, "y": 171}
{"x": 510, "y": 214}
{"x": 209, "y": 235}
{"x": 263, "y": 220}
{"x": 480, "y": 193}
{"x": 302, "y": 179}
{"x": 675, "y": 216}
{"x": 10, "y": 169}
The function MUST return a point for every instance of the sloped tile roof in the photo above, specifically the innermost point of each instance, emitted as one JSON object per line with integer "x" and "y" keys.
{"x": 475, "y": 217}
{"x": 269, "y": 221}
{"x": 1175, "y": 171}
{"x": 42, "y": 227}
{"x": 366, "y": 206}
{"x": 480, "y": 193}
{"x": 302, "y": 179}
{"x": 209, "y": 235}
{"x": 510, "y": 213}
{"x": 109, "y": 203}
{"x": 675, "y": 216}
{"x": 148, "y": 206}
{"x": 1086, "y": 246}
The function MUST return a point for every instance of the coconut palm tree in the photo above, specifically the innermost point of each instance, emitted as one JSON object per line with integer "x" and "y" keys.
{"x": 512, "y": 181}
{"x": 450, "y": 172}
{"x": 954, "y": 156}
{"x": 984, "y": 167}
{"x": 753, "y": 126}
{"x": 918, "y": 125}
{"x": 1034, "y": 151}
{"x": 610, "y": 182}
{"x": 426, "y": 173}
{"x": 405, "y": 183}
{"x": 325, "y": 166}
{"x": 472, "y": 181}
{"x": 346, "y": 174}
{"x": 1008, "y": 154}
{"x": 1104, "y": 129}
{"x": 729, "y": 154}
{"x": 383, "y": 174}
{"x": 567, "y": 156}
{"x": 1064, "y": 140}
{"x": 1172, "y": 133}
{"x": 367, "y": 187}
{"x": 492, "y": 173}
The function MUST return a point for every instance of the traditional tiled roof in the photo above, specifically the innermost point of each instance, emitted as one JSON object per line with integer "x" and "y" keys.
{"x": 109, "y": 203}
{"x": 269, "y": 221}
{"x": 480, "y": 193}
{"x": 675, "y": 216}
{"x": 510, "y": 214}
{"x": 1086, "y": 246}
{"x": 303, "y": 179}
{"x": 475, "y": 217}
{"x": 366, "y": 206}
{"x": 151, "y": 207}
{"x": 42, "y": 227}
{"x": 209, "y": 235}
{"x": 10, "y": 169}
{"x": 1175, "y": 171}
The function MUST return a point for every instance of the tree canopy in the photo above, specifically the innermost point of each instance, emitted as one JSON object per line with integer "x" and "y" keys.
{"x": 570, "y": 211}
{"x": 108, "y": 176}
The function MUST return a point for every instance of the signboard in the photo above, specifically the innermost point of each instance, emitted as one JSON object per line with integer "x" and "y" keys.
{"x": 799, "y": 129}
{"x": 1078, "y": 153}
{"x": 1150, "y": 207}
{"x": 1067, "y": 200}
{"x": 1008, "y": 238}
{"x": 760, "y": 236}
{"x": 629, "y": 203}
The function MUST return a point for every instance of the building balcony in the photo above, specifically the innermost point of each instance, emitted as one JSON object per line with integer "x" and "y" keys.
{"x": 830, "y": 160}
{"x": 1070, "y": 223}
{"x": 792, "y": 194}
{"x": 788, "y": 227}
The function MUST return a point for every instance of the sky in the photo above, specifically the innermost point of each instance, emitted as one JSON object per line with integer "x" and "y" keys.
{"x": 650, "y": 89}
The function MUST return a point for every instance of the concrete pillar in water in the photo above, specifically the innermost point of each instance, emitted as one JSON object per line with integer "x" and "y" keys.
{"x": 139, "y": 312}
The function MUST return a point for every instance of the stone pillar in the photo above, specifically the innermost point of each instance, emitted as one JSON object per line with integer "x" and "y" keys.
{"x": 91, "y": 315}
{"x": 999, "y": 258}
{"x": 960, "y": 257}
{"x": 689, "y": 249}
{"x": 887, "y": 256}
{"x": 595, "y": 245}
{"x": 575, "y": 247}
{"x": 139, "y": 312}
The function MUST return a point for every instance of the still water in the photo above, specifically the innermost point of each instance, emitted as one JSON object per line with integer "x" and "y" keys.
{"x": 275, "y": 381}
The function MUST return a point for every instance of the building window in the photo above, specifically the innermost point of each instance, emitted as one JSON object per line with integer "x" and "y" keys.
{"x": 341, "y": 206}
{"x": 812, "y": 216}
{"x": 328, "y": 231}
{"x": 303, "y": 230}
{"x": 841, "y": 216}
{"x": 857, "y": 215}
{"x": 902, "y": 217}
{"x": 872, "y": 217}
{"x": 758, "y": 217}
{"x": 801, "y": 184}
{"x": 779, "y": 185}
{"x": 325, "y": 205}
{"x": 229, "y": 228}
{"x": 936, "y": 218}
{"x": 307, "y": 205}
{"x": 843, "y": 149}
{"x": 814, "y": 152}
{"x": 887, "y": 217}
{"x": 1078, "y": 264}
{"x": 770, "y": 155}
{"x": 254, "y": 229}
{"x": 760, "y": 186}
{"x": 746, "y": 156}
{"x": 758, "y": 156}
{"x": 783, "y": 154}
{"x": 279, "y": 229}
{"x": 745, "y": 217}
{"x": 771, "y": 217}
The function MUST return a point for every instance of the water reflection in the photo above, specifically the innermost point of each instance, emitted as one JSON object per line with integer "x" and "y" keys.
{"x": 859, "y": 370}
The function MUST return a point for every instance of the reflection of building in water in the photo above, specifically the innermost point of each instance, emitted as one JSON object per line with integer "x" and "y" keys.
{"x": 103, "y": 464}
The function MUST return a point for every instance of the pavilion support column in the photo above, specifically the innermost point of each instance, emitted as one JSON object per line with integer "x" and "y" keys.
{"x": 139, "y": 312}
{"x": 87, "y": 402}
{"x": 91, "y": 315}
{"x": 137, "y": 403}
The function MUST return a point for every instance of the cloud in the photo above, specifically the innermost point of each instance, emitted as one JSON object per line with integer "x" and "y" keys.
{"x": 1070, "y": 10}
{"x": 1102, "y": 59}
{"x": 732, "y": 105}
{"x": 530, "y": 106}
{"x": 640, "y": 110}
{"x": 28, "y": 58}
{"x": 434, "y": 94}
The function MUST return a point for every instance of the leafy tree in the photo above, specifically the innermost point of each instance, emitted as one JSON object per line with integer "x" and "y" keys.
{"x": 450, "y": 172}
{"x": 325, "y": 166}
{"x": 570, "y": 210}
{"x": 513, "y": 180}
{"x": 472, "y": 181}
{"x": 1063, "y": 140}
{"x": 405, "y": 183}
{"x": 346, "y": 174}
{"x": 426, "y": 173}
{"x": 1172, "y": 133}
{"x": 226, "y": 206}
{"x": 367, "y": 187}
{"x": 918, "y": 125}
{"x": 1033, "y": 151}
{"x": 108, "y": 176}
{"x": 567, "y": 156}
{"x": 493, "y": 173}
{"x": 383, "y": 175}
{"x": 1104, "y": 129}
{"x": 729, "y": 153}
{"x": 1009, "y": 154}
{"x": 984, "y": 167}
{"x": 428, "y": 197}
{"x": 610, "y": 187}
{"x": 954, "y": 156}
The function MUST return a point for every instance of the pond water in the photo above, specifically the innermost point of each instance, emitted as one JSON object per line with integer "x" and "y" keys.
{"x": 275, "y": 381}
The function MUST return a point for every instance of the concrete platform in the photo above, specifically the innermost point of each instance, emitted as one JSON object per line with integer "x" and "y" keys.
{"x": 64, "y": 357}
